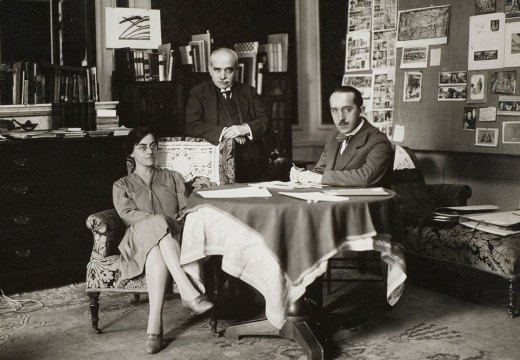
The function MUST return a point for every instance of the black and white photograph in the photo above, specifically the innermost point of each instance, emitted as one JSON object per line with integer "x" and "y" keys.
{"x": 452, "y": 93}
{"x": 485, "y": 6}
{"x": 259, "y": 180}
{"x": 486, "y": 137}
{"x": 470, "y": 118}
{"x": 453, "y": 78}
{"x": 412, "y": 88}
{"x": 503, "y": 82}
{"x": 511, "y": 132}
{"x": 477, "y": 87}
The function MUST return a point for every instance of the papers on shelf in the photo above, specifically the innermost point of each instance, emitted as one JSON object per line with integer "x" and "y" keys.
{"x": 500, "y": 223}
{"x": 287, "y": 185}
{"x": 357, "y": 192}
{"x": 243, "y": 192}
{"x": 314, "y": 196}
{"x": 461, "y": 210}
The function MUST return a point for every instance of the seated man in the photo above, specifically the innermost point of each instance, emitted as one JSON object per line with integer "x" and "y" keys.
{"x": 356, "y": 153}
{"x": 222, "y": 109}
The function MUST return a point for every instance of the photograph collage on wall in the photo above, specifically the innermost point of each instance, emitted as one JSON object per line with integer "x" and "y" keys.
{"x": 370, "y": 55}
{"x": 452, "y": 86}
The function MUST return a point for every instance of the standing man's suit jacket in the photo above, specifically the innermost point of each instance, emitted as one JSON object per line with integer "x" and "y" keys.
{"x": 202, "y": 116}
{"x": 366, "y": 161}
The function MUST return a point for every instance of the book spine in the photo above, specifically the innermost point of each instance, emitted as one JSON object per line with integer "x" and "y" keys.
{"x": 160, "y": 61}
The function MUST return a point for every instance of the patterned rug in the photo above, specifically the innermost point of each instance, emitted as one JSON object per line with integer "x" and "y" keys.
{"x": 423, "y": 325}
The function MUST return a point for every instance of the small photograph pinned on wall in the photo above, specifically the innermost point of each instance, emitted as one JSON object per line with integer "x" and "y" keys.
{"x": 511, "y": 132}
{"x": 470, "y": 118}
{"x": 477, "y": 88}
{"x": 503, "y": 82}
{"x": 511, "y": 8}
{"x": 452, "y": 93}
{"x": 486, "y": 137}
{"x": 485, "y": 6}
{"x": 412, "y": 88}
{"x": 509, "y": 105}
{"x": 414, "y": 57}
{"x": 453, "y": 78}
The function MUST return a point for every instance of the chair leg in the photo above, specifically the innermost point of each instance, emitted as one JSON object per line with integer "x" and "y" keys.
{"x": 94, "y": 310}
{"x": 511, "y": 308}
{"x": 329, "y": 276}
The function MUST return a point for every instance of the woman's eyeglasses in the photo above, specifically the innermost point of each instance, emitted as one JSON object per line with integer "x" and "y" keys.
{"x": 142, "y": 147}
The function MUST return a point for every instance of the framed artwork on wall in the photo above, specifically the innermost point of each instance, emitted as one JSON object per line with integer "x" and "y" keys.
{"x": 132, "y": 27}
{"x": 485, "y": 6}
{"x": 477, "y": 88}
{"x": 424, "y": 26}
{"x": 486, "y": 137}
{"x": 412, "y": 88}
{"x": 511, "y": 132}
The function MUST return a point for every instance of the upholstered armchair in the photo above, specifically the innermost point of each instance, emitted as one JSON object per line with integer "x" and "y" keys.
{"x": 201, "y": 164}
{"x": 448, "y": 256}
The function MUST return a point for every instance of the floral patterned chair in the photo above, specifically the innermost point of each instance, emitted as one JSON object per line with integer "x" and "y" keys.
{"x": 197, "y": 161}
{"x": 448, "y": 256}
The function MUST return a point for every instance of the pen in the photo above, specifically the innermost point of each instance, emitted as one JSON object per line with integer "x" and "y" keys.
{"x": 297, "y": 168}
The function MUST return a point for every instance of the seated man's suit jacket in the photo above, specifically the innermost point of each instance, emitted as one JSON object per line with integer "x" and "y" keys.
{"x": 202, "y": 118}
{"x": 365, "y": 162}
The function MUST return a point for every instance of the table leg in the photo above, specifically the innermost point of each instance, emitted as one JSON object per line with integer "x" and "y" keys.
{"x": 296, "y": 326}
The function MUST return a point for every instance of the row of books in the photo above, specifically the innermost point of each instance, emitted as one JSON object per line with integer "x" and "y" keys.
{"x": 197, "y": 52}
{"x": 26, "y": 83}
{"x": 145, "y": 65}
{"x": 66, "y": 133}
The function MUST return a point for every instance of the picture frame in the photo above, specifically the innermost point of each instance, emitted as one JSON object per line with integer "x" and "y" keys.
{"x": 412, "y": 86}
{"x": 503, "y": 82}
{"x": 357, "y": 51}
{"x": 512, "y": 45}
{"x": 508, "y": 105}
{"x": 470, "y": 118}
{"x": 485, "y": 6}
{"x": 362, "y": 82}
{"x": 477, "y": 87}
{"x": 510, "y": 9}
{"x": 486, "y": 137}
{"x": 132, "y": 27}
{"x": 433, "y": 29}
{"x": 511, "y": 132}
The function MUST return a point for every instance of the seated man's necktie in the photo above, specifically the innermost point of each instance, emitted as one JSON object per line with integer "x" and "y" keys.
{"x": 345, "y": 140}
{"x": 226, "y": 93}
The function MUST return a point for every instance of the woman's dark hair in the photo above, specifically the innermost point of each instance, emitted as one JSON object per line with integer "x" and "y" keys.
{"x": 134, "y": 137}
{"x": 358, "y": 98}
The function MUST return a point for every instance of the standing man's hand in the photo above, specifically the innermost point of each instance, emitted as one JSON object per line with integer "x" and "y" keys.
{"x": 241, "y": 140}
{"x": 235, "y": 131}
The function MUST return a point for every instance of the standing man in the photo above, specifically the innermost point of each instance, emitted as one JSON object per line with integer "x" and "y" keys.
{"x": 222, "y": 109}
{"x": 356, "y": 153}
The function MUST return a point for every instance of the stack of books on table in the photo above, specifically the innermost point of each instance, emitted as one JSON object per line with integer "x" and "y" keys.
{"x": 69, "y": 132}
{"x": 452, "y": 213}
{"x": 121, "y": 131}
{"x": 16, "y": 134}
{"x": 106, "y": 119}
{"x": 500, "y": 223}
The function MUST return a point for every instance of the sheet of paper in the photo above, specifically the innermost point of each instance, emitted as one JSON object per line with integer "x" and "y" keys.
{"x": 487, "y": 114}
{"x": 314, "y": 196}
{"x": 398, "y": 133}
{"x": 486, "y": 41}
{"x": 287, "y": 185}
{"x": 357, "y": 192}
{"x": 243, "y": 192}
{"x": 435, "y": 57}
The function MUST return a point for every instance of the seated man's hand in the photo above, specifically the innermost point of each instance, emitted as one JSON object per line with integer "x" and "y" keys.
{"x": 235, "y": 131}
{"x": 309, "y": 177}
{"x": 294, "y": 175}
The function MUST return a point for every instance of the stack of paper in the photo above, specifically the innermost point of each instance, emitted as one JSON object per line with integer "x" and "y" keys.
{"x": 357, "y": 192}
{"x": 287, "y": 185}
{"x": 243, "y": 192}
{"x": 500, "y": 223}
{"x": 461, "y": 210}
{"x": 314, "y": 196}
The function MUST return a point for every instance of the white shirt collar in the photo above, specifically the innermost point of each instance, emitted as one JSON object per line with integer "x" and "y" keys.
{"x": 226, "y": 89}
{"x": 356, "y": 130}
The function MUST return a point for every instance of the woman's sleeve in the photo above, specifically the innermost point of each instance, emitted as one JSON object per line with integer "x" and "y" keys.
{"x": 126, "y": 207}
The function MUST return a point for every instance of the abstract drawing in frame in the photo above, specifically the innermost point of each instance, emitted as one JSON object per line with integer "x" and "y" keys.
{"x": 412, "y": 86}
{"x": 511, "y": 132}
{"x": 132, "y": 27}
{"x": 511, "y": 8}
{"x": 485, "y": 6}
{"x": 486, "y": 137}
{"x": 425, "y": 26}
{"x": 503, "y": 82}
{"x": 477, "y": 88}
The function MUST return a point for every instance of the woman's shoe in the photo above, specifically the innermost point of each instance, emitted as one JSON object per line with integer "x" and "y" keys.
{"x": 198, "y": 306}
{"x": 153, "y": 343}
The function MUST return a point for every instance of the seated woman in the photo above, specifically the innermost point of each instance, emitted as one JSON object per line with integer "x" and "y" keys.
{"x": 150, "y": 202}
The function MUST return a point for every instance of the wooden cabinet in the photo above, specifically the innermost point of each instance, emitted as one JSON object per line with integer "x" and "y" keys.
{"x": 48, "y": 188}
